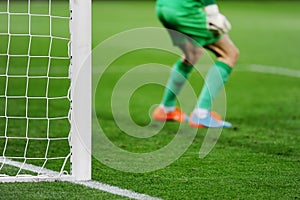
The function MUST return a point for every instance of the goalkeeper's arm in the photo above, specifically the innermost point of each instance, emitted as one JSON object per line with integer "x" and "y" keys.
{"x": 215, "y": 20}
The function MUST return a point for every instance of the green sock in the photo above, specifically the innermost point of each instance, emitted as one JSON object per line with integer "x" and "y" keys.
{"x": 214, "y": 81}
{"x": 179, "y": 74}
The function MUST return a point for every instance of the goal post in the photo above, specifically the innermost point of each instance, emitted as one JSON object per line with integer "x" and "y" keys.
{"x": 45, "y": 90}
{"x": 81, "y": 87}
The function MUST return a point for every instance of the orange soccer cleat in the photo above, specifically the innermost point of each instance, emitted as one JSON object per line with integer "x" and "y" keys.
{"x": 177, "y": 115}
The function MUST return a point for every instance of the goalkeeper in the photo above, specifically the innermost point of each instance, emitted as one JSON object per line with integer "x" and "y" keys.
{"x": 193, "y": 24}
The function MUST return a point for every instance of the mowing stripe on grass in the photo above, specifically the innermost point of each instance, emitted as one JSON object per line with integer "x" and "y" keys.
{"x": 56, "y": 176}
{"x": 244, "y": 67}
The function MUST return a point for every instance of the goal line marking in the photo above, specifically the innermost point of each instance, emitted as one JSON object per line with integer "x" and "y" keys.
{"x": 91, "y": 184}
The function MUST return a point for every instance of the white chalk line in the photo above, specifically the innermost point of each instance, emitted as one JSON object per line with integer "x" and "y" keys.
{"x": 53, "y": 175}
{"x": 115, "y": 190}
{"x": 270, "y": 70}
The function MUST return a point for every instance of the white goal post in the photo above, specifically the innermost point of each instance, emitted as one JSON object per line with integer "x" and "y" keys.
{"x": 23, "y": 128}
{"x": 81, "y": 87}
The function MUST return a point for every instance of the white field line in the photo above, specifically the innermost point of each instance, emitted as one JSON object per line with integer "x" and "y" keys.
{"x": 270, "y": 70}
{"x": 115, "y": 190}
{"x": 57, "y": 176}
{"x": 28, "y": 167}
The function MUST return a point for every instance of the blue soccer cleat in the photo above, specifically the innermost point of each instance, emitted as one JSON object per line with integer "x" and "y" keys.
{"x": 212, "y": 120}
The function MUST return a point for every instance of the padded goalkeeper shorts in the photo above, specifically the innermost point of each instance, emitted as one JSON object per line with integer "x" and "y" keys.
{"x": 186, "y": 27}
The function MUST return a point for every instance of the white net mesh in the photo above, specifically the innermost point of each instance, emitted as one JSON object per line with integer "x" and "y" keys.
{"x": 34, "y": 86}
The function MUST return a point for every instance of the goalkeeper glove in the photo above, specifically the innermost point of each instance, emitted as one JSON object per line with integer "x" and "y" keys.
{"x": 216, "y": 22}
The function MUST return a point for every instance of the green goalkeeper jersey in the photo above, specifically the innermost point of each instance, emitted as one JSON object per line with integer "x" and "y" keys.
{"x": 185, "y": 5}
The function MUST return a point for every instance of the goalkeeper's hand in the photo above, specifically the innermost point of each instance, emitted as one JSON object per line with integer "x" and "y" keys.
{"x": 216, "y": 22}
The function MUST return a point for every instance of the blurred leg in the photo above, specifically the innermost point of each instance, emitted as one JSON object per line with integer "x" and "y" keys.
{"x": 227, "y": 55}
{"x": 180, "y": 73}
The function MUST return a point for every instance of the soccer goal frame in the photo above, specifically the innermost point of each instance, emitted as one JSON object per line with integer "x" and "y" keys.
{"x": 81, "y": 88}
{"x": 80, "y": 114}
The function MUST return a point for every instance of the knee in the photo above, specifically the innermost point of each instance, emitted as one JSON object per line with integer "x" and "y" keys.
{"x": 193, "y": 56}
{"x": 235, "y": 53}
{"x": 198, "y": 53}
{"x": 232, "y": 56}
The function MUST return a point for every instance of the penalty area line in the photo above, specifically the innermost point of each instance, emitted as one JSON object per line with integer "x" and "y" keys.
{"x": 270, "y": 70}
{"x": 53, "y": 175}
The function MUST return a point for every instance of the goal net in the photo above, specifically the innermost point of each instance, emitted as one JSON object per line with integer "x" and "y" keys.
{"x": 40, "y": 59}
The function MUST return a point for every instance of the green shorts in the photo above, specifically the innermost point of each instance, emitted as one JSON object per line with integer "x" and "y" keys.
{"x": 186, "y": 27}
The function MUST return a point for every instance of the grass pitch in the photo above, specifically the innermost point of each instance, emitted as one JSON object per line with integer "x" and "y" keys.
{"x": 259, "y": 159}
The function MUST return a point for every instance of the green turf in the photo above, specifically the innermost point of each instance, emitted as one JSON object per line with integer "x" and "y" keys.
{"x": 258, "y": 159}
{"x": 54, "y": 190}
